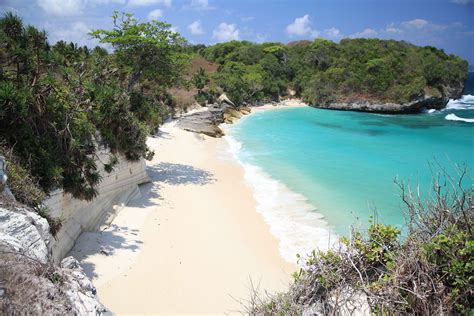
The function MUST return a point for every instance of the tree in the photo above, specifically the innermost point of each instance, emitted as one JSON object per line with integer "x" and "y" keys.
{"x": 147, "y": 51}
{"x": 200, "y": 79}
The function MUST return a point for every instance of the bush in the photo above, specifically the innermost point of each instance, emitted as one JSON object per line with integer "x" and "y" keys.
{"x": 428, "y": 271}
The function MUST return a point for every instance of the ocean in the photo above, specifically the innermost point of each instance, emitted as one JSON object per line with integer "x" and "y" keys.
{"x": 316, "y": 172}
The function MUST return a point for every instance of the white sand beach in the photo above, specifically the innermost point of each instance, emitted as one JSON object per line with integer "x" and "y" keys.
{"x": 193, "y": 240}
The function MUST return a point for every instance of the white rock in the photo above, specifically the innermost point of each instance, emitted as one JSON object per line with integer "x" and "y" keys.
{"x": 25, "y": 229}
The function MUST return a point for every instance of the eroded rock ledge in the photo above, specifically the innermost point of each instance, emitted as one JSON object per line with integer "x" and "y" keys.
{"x": 207, "y": 120}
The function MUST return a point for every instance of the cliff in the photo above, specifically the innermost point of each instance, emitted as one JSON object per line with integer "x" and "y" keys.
{"x": 430, "y": 99}
{"x": 77, "y": 216}
{"x": 30, "y": 282}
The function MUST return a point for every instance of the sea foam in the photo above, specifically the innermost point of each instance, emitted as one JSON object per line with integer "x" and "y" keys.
{"x": 454, "y": 117}
{"x": 291, "y": 218}
{"x": 466, "y": 102}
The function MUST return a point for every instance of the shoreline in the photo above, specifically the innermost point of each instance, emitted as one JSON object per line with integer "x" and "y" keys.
{"x": 194, "y": 241}
{"x": 290, "y": 217}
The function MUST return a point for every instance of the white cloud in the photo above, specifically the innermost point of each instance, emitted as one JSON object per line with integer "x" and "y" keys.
{"x": 391, "y": 28}
{"x": 225, "y": 32}
{"x": 155, "y": 14}
{"x": 174, "y": 29}
{"x": 142, "y": 3}
{"x": 76, "y": 32}
{"x": 196, "y": 28}
{"x": 368, "y": 32}
{"x": 301, "y": 26}
{"x": 416, "y": 23}
{"x": 333, "y": 33}
{"x": 200, "y": 4}
{"x": 62, "y": 7}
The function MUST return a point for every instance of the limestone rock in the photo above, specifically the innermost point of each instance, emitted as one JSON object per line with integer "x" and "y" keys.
{"x": 80, "y": 290}
{"x": 205, "y": 122}
{"x": 26, "y": 232}
{"x": 31, "y": 286}
{"x": 431, "y": 102}
{"x": 224, "y": 99}
{"x": 245, "y": 110}
{"x": 115, "y": 190}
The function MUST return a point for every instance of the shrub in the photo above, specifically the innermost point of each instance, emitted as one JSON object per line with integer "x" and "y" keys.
{"x": 428, "y": 271}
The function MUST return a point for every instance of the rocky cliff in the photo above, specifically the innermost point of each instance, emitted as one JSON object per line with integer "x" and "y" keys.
{"x": 30, "y": 283}
{"x": 77, "y": 216}
{"x": 437, "y": 100}
{"x": 207, "y": 120}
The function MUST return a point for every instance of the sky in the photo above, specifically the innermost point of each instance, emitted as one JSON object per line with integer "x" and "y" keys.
{"x": 446, "y": 24}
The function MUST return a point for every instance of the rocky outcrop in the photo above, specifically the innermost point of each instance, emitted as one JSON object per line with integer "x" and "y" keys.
{"x": 24, "y": 232}
{"x": 30, "y": 283}
{"x": 77, "y": 216}
{"x": 427, "y": 101}
{"x": 389, "y": 108}
{"x": 207, "y": 120}
{"x": 204, "y": 121}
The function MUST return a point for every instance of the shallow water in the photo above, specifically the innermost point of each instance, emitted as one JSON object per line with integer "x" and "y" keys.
{"x": 342, "y": 165}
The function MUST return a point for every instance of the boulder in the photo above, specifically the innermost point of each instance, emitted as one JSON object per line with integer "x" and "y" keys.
{"x": 245, "y": 110}
{"x": 30, "y": 275}
{"x": 204, "y": 122}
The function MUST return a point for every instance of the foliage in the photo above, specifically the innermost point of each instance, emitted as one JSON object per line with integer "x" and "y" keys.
{"x": 428, "y": 271}
{"x": 323, "y": 72}
{"x": 60, "y": 104}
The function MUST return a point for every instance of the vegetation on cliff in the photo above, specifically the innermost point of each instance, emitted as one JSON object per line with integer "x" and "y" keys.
{"x": 59, "y": 104}
{"x": 429, "y": 270}
{"x": 323, "y": 72}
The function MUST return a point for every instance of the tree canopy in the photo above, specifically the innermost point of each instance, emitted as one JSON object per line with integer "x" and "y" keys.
{"x": 61, "y": 104}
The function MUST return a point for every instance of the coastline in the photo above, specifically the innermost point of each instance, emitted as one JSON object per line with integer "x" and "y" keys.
{"x": 291, "y": 218}
{"x": 193, "y": 242}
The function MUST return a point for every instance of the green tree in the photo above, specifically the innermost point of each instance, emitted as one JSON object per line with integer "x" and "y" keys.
{"x": 147, "y": 51}
{"x": 200, "y": 79}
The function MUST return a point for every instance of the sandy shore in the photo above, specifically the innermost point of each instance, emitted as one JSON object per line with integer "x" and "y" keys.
{"x": 192, "y": 242}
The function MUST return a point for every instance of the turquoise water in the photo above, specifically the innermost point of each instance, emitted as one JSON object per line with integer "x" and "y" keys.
{"x": 345, "y": 163}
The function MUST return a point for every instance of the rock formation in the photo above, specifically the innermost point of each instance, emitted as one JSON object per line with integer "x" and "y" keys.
{"x": 115, "y": 189}
{"x": 30, "y": 283}
{"x": 207, "y": 120}
{"x": 426, "y": 101}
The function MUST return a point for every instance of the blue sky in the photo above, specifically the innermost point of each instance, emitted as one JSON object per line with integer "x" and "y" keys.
{"x": 447, "y": 24}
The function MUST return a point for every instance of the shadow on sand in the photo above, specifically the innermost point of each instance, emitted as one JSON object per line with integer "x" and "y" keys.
{"x": 123, "y": 238}
{"x": 177, "y": 174}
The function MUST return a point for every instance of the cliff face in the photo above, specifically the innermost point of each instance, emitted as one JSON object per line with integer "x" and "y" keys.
{"x": 390, "y": 108}
{"x": 115, "y": 190}
{"x": 30, "y": 283}
{"x": 426, "y": 101}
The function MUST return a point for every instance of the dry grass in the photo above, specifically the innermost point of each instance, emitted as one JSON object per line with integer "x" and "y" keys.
{"x": 428, "y": 271}
{"x": 30, "y": 287}
{"x": 184, "y": 96}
